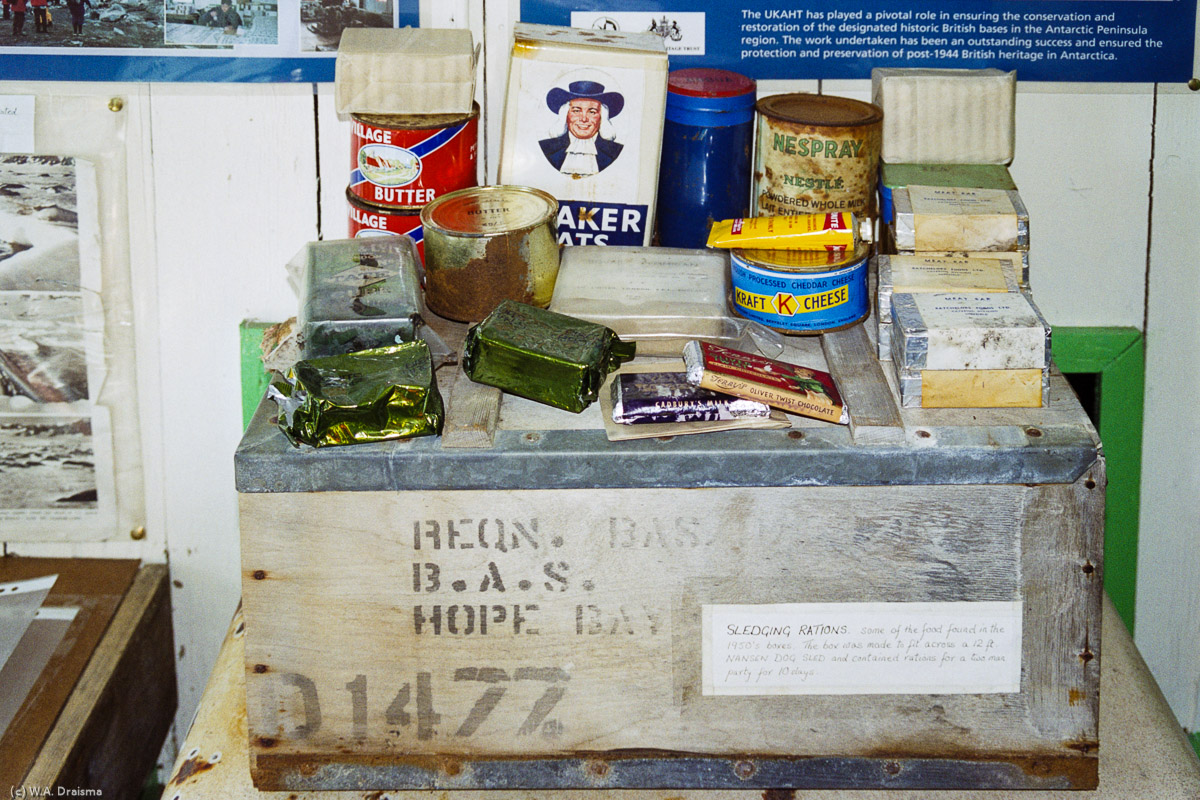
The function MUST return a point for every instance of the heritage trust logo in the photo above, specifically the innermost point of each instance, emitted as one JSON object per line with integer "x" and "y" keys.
{"x": 682, "y": 31}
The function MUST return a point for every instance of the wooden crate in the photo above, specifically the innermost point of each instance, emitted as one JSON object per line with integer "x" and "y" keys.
{"x": 559, "y": 611}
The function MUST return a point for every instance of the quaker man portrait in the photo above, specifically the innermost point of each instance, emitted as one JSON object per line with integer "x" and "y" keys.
{"x": 586, "y": 145}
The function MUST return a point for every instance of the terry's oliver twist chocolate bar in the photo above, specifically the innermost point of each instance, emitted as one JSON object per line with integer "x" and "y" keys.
{"x": 796, "y": 389}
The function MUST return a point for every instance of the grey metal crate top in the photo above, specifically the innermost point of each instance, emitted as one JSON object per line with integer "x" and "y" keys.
{"x": 536, "y": 447}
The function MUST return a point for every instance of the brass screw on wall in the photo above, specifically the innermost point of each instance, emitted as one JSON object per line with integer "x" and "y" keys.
{"x": 1194, "y": 84}
{"x": 116, "y": 104}
{"x": 138, "y": 533}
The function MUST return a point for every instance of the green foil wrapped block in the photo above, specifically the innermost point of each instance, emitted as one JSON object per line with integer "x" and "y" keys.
{"x": 551, "y": 358}
{"x": 367, "y": 396}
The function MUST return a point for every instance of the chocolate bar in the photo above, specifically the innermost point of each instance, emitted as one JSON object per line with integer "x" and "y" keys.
{"x": 649, "y": 397}
{"x": 796, "y": 389}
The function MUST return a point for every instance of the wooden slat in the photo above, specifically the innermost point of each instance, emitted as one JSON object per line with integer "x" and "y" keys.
{"x": 471, "y": 414}
{"x": 874, "y": 417}
{"x": 1064, "y": 537}
{"x": 112, "y": 727}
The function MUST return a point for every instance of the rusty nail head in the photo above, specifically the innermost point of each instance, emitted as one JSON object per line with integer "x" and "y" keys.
{"x": 597, "y": 768}
{"x": 891, "y": 768}
{"x": 924, "y": 434}
{"x": 533, "y": 437}
{"x": 138, "y": 533}
{"x": 744, "y": 769}
{"x": 1035, "y": 432}
{"x": 795, "y": 434}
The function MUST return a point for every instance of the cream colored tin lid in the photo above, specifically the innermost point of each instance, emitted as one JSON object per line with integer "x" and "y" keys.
{"x": 802, "y": 260}
{"x": 489, "y": 210}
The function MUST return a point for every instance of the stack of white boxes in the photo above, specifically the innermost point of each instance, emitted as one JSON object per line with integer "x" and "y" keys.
{"x": 953, "y": 308}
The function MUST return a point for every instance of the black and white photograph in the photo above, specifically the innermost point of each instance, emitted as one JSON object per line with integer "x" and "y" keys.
{"x": 43, "y": 355}
{"x": 54, "y": 468}
{"x": 322, "y": 21}
{"x": 55, "y": 442}
{"x": 44, "y": 243}
{"x": 51, "y": 325}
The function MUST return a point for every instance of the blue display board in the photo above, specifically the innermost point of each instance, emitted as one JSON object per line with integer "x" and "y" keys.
{"x": 164, "y": 40}
{"x": 1043, "y": 40}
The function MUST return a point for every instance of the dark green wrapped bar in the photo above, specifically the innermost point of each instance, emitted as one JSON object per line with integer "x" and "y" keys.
{"x": 551, "y": 358}
{"x": 367, "y": 396}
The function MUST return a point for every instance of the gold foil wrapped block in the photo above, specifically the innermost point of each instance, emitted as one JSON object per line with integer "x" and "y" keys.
{"x": 551, "y": 358}
{"x": 366, "y": 396}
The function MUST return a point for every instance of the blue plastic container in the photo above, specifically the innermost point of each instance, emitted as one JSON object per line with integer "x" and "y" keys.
{"x": 705, "y": 170}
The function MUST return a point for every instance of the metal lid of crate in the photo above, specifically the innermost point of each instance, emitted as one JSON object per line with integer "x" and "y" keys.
{"x": 1047, "y": 448}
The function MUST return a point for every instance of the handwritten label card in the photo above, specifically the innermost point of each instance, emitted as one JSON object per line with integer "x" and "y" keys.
{"x": 16, "y": 123}
{"x": 862, "y": 648}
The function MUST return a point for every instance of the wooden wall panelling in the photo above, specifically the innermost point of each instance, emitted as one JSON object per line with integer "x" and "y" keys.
{"x": 1168, "y": 602}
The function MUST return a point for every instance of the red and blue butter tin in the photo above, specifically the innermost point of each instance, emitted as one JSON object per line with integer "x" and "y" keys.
{"x": 707, "y": 138}
{"x": 409, "y": 160}
{"x": 800, "y": 291}
{"x": 368, "y": 219}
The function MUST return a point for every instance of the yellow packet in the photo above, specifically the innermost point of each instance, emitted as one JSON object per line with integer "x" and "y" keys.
{"x": 793, "y": 232}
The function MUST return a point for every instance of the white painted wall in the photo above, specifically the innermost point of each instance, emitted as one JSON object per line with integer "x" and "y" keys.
{"x": 224, "y": 182}
{"x": 1168, "y": 601}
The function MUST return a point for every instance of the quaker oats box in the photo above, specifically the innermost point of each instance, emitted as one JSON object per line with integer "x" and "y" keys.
{"x": 583, "y": 120}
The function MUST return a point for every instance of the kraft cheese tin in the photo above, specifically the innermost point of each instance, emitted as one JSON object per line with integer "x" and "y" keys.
{"x": 411, "y": 159}
{"x": 487, "y": 244}
{"x": 800, "y": 291}
{"x": 816, "y": 154}
{"x": 368, "y": 219}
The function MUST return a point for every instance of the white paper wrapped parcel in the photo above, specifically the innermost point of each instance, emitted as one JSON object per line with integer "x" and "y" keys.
{"x": 404, "y": 71}
{"x": 946, "y": 116}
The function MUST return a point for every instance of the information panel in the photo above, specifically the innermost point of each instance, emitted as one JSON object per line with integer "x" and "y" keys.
{"x": 862, "y": 648}
{"x": 177, "y": 40}
{"x": 1044, "y": 40}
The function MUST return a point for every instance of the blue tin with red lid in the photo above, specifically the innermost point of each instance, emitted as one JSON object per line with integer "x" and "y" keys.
{"x": 705, "y": 170}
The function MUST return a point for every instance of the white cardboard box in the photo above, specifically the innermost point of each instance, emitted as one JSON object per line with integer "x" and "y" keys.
{"x": 606, "y": 177}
